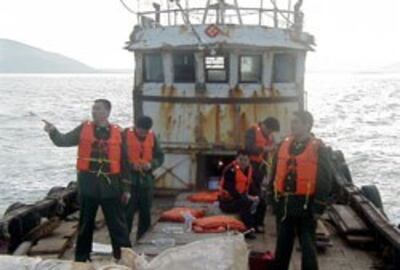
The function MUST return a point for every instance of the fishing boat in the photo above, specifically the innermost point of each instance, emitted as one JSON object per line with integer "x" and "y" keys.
{"x": 205, "y": 71}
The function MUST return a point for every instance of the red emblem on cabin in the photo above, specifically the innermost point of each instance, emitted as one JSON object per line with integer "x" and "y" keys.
{"x": 212, "y": 31}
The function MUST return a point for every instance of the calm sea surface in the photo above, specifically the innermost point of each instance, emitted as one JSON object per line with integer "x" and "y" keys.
{"x": 357, "y": 113}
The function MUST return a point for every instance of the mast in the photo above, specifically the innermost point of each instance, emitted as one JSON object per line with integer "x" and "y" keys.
{"x": 220, "y": 6}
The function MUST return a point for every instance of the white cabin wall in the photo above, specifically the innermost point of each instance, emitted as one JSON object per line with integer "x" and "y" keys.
{"x": 192, "y": 124}
{"x": 199, "y": 68}
{"x": 168, "y": 64}
{"x": 300, "y": 71}
{"x": 253, "y": 36}
{"x": 233, "y": 69}
{"x": 181, "y": 122}
{"x": 138, "y": 68}
{"x": 267, "y": 69}
{"x": 300, "y": 66}
{"x": 184, "y": 126}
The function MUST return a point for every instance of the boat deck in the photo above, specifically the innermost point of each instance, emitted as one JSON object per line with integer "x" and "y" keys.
{"x": 338, "y": 254}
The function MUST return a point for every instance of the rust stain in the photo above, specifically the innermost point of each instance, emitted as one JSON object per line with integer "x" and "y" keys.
{"x": 200, "y": 127}
{"x": 255, "y": 107}
{"x": 268, "y": 91}
{"x": 183, "y": 29}
{"x": 231, "y": 113}
{"x": 209, "y": 125}
{"x": 244, "y": 125}
{"x": 167, "y": 111}
{"x": 275, "y": 92}
{"x": 252, "y": 113}
{"x": 226, "y": 31}
{"x": 222, "y": 124}
{"x": 236, "y": 92}
{"x": 217, "y": 124}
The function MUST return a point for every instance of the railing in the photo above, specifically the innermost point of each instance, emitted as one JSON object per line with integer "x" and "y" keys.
{"x": 276, "y": 18}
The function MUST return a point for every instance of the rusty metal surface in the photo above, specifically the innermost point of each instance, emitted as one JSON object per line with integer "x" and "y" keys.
{"x": 217, "y": 100}
{"x": 253, "y": 36}
{"x": 214, "y": 121}
{"x": 196, "y": 120}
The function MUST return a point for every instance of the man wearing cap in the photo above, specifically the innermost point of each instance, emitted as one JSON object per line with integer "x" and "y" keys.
{"x": 302, "y": 181}
{"x": 143, "y": 155}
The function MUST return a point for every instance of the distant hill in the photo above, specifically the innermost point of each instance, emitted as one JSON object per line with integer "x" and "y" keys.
{"x": 16, "y": 57}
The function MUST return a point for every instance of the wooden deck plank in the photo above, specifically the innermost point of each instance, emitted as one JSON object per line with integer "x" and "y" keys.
{"x": 50, "y": 245}
{"x": 322, "y": 232}
{"x": 339, "y": 256}
{"x": 352, "y": 223}
{"x": 57, "y": 242}
{"x": 66, "y": 229}
{"x": 360, "y": 239}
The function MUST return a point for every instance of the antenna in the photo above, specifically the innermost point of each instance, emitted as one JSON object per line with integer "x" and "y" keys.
{"x": 186, "y": 20}
{"x": 220, "y": 6}
{"x": 127, "y": 7}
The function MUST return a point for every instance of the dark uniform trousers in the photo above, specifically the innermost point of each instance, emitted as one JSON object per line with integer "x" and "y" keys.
{"x": 242, "y": 206}
{"x": 141, "y": 202}
{"x": 115, "y": 219}
{"x": 295, "y": 213}
{"x": 259, "y": 172}
{"x": 96, "y": 190}
{"x": 304, "y": 227}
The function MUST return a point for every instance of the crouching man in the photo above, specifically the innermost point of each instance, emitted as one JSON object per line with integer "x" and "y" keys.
{"x": 234, "y": 194}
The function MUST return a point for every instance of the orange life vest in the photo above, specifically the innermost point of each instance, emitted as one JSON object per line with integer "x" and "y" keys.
{"x": 305, "y": 166}
{"x": 112, "y": 145}
{"x": 261, "y": 141}
{"x": 242, "y": 181}
{"x": 176, "y": 214}
{"x": 204, "y": 197}
{"x": 217, "y": 224}
{"x": 140, "y": 152}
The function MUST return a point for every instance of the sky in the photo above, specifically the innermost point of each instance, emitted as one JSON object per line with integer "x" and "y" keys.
{"x": 350, "y": 34}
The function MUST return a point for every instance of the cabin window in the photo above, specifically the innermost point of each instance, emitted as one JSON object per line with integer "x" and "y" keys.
{"x": 184, "y": 70}
{"x": 284, "y": 68}
{"x": 153, "y": 68}
{"x": 216, "y": 68}
{"x": 250, "y": 68}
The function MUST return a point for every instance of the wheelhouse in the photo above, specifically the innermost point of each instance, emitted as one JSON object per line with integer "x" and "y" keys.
{"x": 205, "y": 73}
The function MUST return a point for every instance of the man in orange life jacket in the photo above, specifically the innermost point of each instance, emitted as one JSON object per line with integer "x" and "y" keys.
{"x": 143, "y": 155}
{"x": 302, "y": 184}
{"x": 99, "y": 167}
{"x": 234, "y": 195}
{"x": 259, "y": 142}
